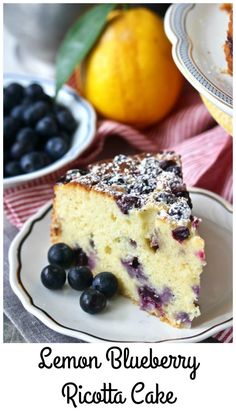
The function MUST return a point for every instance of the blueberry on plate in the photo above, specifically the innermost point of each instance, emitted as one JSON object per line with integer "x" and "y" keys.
{"x": 12, "y": 169}
{"x": 92, "y": 301}
{"x": 47, "y": 127}
{"x": 34, "y": 91}
{"x": 56, "y": 147}
{"x": 80, "y": 277}
{"x": 33, "y": 161}
{"x": 66, "y": 121}
{"x": 61, "y": 255}
{"x": 106, "y": 283}
{"x": 19, "y": 149}
{"x": 53, "y": 277}
{"x": 27, "y": 135}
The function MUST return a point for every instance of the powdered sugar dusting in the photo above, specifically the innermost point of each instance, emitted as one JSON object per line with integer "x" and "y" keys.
{"x": 135, "y": 181}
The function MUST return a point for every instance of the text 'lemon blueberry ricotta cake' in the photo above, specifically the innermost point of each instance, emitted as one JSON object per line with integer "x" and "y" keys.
{"x": 132, "y": 216}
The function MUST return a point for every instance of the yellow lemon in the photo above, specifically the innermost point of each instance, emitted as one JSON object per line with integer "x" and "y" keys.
{"x": 130, "y": 76}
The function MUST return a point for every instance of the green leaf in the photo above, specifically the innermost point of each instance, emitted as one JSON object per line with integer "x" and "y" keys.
{"x": 79, "y": 40}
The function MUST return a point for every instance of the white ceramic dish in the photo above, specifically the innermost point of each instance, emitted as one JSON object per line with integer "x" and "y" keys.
{"x": 123, "y": 321}
{"x": 197, "y": 33}
{"x": 83, "y": 136}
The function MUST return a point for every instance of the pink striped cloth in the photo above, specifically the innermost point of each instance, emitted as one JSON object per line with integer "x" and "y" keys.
{"x": 206, "y": 151}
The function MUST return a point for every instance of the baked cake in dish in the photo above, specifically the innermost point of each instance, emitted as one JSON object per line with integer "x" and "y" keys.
{"x": 132, "y": 216}
{"x": 228, "y": 46}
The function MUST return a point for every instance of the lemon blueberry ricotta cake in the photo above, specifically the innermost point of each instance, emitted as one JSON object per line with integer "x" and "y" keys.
{"x": 132, "y": 216}
{"x": 228, "y": 46}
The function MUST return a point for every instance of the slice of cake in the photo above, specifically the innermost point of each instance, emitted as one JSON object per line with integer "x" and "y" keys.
{"x": 228, "y": 46}
{"x": 132, "y": 216}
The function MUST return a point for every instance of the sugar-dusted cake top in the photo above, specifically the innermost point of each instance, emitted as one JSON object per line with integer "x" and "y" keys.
{"x": 138, "y": 181}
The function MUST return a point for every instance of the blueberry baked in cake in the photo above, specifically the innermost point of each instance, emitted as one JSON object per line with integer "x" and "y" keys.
{"x": 132, "y": 216}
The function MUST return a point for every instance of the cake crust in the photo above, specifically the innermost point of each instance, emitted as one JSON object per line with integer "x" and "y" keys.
{"x": 138, "y": 181}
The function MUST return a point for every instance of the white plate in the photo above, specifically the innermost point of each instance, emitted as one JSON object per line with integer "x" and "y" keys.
{"x": 123, "y": 321}
{"x": 197, "y": 33}
{"x": 81, "y": 110}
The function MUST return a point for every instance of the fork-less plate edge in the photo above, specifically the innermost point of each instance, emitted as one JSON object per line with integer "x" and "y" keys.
{"x": 175, "y": 29}
{"x": 28, "y": 303}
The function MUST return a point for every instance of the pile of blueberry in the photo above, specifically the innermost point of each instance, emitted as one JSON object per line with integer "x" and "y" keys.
{"x": 96, "y": 290}
{"x": 37, "y": 129}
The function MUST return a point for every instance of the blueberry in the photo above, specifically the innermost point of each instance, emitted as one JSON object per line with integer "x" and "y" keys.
{"x": 34, "y": 91}
{"x": 6, "y": 156}
{"x": 171, "y": 166}
{"x": 27, "y": 135}
{"x": 33, "y": 161}
{"x": 18, "y": 113}
{"x": 53, "y": 277}
{"x": 19, "y": 149}
{"x": 83, "y": 171}
{"x": 8, "y": 103}
{"x": 56, "y": 147}
{"x": 185, "y": 194}
{"x": 66, "y": 120}
{"x": 176, "y": 188}
{"x": 81, "y": 258}
{"x": 15, "y": 91}
{"x": 106, "y": 283}
{"x": 57, "y": 107}
{"x": 47, "y": 127}
{"x": 150, "y": 298}
{"x": 180, "y": 233}
{"x": 166, "y": 197}
{"x": 167, "y": 164}
{"x": 61, "y": 255}
{"x": 80, "y": 277}
{"x": 179, "y": 210}
{"x": 12, "y": 169}
{"x": 127, "y": 202}
{"x": 27, "y": 101}
{"x": 92, "y": 301}
{"x": 11, "y": 127}
{"x": 48, "y": 99}
{"x": 176, "y": 170}
{"x": 183, "y": 317}
{"x": 134, "y": 268}
{"x": 35, "y": 112}
{"x": 65, "y": 136}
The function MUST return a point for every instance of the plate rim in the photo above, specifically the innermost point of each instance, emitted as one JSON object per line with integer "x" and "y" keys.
{"x": 175, "y": 28}
{"x": 91, "y": 125}
{"x": 28, "y": 303}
